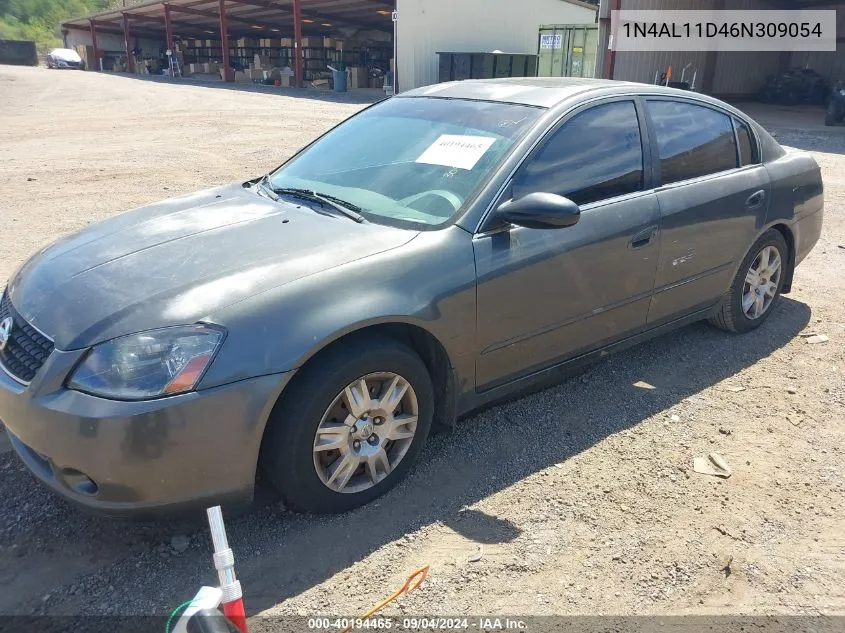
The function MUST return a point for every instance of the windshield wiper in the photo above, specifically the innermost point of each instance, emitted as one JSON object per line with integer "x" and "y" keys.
{"x": 263, "y": 186}
{"x": 341, "y": 206}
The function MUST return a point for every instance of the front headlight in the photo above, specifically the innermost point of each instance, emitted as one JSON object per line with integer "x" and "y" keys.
{"x": 148, "y": 364}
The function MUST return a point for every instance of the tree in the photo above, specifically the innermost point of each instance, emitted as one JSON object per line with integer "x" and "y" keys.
{"x": 40, "y": 20}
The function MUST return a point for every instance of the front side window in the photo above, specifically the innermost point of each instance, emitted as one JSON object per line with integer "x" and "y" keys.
{"x": 692, "y": 140}
{"x": 410, "y": 160}
{"x": 595, "y": 155}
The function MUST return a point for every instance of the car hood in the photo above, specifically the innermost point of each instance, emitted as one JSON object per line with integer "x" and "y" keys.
{"x": 179, "y": 260}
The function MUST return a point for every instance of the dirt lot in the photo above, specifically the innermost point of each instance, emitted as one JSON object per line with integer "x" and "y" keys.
{"x": 577, "y": 500}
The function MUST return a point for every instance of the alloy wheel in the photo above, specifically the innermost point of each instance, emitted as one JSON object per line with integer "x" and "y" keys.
{"x": 761, "y": 282}
{"x": 365, "y": 432}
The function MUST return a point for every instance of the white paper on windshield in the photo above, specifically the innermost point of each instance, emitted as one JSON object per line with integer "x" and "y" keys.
{"x": 456, "y": 150}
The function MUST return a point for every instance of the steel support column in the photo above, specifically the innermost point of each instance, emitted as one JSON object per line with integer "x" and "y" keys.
{"x": 94, "y": 45}
{"x": 297, "y": 44}
{"x": 130, "y": 60}
{"x": 168, "y": 29}
{"x": 610, "y": 66}
{"x": 64, "y": 38}
{"x": 224, "y": 42}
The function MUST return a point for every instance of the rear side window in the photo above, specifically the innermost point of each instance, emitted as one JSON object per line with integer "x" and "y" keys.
{"x": 747, "y": 147}
{"x": 595, "y": 155}
{"x": 692, "y": 140}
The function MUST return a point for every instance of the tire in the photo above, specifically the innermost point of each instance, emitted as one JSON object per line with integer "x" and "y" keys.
{"x": 289, "y": 456}
{"x": 831, "y": 115}
{"x": 731, "y": 316}
{"x": 820, "y": 94}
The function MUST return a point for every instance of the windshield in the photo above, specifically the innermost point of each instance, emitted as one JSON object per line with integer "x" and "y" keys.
{"x": 410, "y": 159}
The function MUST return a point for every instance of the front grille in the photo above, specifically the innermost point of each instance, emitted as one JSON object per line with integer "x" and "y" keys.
{"x": 27, "y": 349}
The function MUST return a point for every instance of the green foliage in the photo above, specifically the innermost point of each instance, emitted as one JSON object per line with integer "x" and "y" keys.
{"x": 40, "y": 20}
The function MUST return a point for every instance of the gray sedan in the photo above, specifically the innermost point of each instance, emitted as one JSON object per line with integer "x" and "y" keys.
{"x": 440, "y": 250}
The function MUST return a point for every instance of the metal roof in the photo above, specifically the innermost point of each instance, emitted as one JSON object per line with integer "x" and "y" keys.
{"x": 263, "y": 18}
{"x": 535, "y": 91}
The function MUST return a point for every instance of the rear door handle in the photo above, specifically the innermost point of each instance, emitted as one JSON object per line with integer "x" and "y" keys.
{"x": 643, "y": 238}
{"x": 755, "y": 199}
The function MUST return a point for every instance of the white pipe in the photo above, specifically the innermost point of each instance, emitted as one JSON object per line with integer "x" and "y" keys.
{"x": 221, "y": 543}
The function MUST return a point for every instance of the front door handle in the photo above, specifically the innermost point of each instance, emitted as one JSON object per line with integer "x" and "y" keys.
{"x": 755, "y": 199}
{"x": 643, "y": 238}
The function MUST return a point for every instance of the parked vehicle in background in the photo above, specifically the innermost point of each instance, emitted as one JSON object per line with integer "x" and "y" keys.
{"x": 835, "y": 112}
{"x": 440, "y": 250}
{"x": 796, "y": 86}
{"x": 64, "y": 58}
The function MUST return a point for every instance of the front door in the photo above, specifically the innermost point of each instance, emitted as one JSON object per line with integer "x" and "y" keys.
{"x": 548, "y": 294}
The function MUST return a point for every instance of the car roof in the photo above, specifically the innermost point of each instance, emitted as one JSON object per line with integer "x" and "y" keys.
{"x": 545, "y": 92}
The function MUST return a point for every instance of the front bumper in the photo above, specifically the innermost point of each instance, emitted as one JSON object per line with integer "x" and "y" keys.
{"x": 142, "y": 458}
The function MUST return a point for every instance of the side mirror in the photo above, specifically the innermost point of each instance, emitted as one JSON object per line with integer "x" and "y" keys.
{"x": 540, "y": 211}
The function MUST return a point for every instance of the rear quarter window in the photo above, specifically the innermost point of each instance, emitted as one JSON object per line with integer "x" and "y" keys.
{"x": 747, "y": 145}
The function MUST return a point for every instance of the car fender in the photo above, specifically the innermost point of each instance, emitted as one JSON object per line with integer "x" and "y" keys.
{"x": 429, "y": 283}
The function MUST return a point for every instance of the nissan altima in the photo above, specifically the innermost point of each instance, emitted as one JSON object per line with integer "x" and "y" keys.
{"x": 440, "y": 250}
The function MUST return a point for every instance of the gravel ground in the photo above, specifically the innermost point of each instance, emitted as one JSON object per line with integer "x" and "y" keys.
{"x": 579, "y": 499}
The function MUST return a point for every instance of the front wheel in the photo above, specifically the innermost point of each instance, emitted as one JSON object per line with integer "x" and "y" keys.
{"x": 756, "y": 287}
{"x": 350, "y": 426}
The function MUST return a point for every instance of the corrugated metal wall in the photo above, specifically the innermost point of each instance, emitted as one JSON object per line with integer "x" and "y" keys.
{"x": 740, "y": 74}
{"x": 641, "y": 65}
{"x": 831, "y": 65}
{"x": 737, "y": 74}
{"x": 743, "y": 73}
{"x": 428, "y": 26}
{"x": 113, "y": 42}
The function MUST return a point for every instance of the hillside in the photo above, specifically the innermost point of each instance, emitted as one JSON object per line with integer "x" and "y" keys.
{"x": 39, "y": 20}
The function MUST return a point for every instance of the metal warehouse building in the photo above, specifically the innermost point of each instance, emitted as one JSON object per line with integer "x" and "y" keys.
{"x": 730, "y": 75}
{"x": 240, "y": 39}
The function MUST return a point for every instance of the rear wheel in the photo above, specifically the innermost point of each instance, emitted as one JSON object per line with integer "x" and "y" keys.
{"x": 756, "y": 287}
{"x": 350, "y": 427}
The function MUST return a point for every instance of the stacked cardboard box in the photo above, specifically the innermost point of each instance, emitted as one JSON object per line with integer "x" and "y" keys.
{"x": 312, "y": 42}
{"x": 261, "y": 61}
{"x": 358, "y": 77}
{"x": 275, "y": 42}
{"x": 87, "y": 55}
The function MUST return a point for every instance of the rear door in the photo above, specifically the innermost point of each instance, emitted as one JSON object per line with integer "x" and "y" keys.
{"x": 713, "y": 196}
